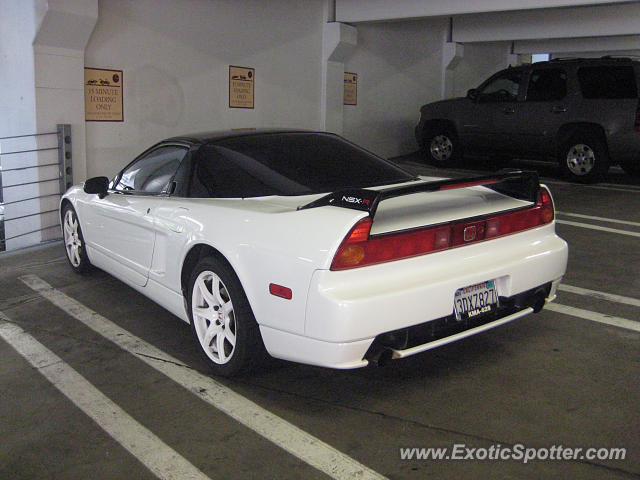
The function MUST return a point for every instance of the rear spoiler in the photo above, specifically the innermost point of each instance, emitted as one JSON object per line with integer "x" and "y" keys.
{"x": 523, "y": 185}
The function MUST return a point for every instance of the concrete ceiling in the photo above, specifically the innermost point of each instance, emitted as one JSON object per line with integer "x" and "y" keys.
{"x": 534, "y": 26}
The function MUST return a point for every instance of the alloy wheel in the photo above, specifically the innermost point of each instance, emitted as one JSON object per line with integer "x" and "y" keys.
{"x": 213, "y": 317}
{"x": 72, "y": 241}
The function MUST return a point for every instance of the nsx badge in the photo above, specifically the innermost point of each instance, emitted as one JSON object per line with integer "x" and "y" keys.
{"x": 356, "y": 200}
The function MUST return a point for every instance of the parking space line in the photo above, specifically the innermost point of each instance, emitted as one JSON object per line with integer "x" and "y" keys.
{"x": 594, "y": 316}
{"x": 287, "y": 436}
{"x": 597, "y": 227}
{"x": 150, "y": 450}
{"x": 601, "y": 295}
{"x": 628, "y": 188}
{"x": 601, "y": 219}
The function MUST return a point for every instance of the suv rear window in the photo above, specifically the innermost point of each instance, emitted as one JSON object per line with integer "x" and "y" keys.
{"x": 607, "y": 82}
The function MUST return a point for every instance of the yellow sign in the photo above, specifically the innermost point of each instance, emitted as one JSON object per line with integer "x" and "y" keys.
{"x": 241, "y": 82}
{"x": 350, "y": 88}
{"x": 103, "y": 95}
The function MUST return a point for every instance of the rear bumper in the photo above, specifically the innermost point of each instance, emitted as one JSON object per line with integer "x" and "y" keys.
{"x": 349, "y": 311}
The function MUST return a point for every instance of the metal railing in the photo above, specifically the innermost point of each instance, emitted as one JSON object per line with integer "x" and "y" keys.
{"x": 63, "y": 179}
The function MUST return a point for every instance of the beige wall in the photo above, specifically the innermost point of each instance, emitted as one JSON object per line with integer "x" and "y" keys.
{"x": 175, "y": 61}
{"x": 399, "y": 69}
{"x": 480, "y": 61}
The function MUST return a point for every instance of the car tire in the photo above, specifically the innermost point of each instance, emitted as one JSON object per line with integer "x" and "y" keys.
{"x": 584, "y": 158}
{"x": 442, "y": 147}
{"x": 74, "y": 241}
{"x": 631, "y": 167}
{"x": 222, "y": 321}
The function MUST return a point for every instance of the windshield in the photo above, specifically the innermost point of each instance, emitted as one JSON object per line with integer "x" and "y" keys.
{"x": 288, "y": 164}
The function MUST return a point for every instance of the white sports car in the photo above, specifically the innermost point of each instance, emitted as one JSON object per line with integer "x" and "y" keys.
{"x": 314, "y": 249}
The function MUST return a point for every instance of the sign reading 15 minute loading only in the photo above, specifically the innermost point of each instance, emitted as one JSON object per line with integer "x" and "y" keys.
{"x": 241, "y": 82}
{"x": 103, "y": 95}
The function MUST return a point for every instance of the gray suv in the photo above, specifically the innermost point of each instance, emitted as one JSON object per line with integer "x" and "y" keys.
{"x": 583, "y": 113}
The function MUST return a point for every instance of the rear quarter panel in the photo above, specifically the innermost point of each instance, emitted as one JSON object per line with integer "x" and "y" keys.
{"x": 283, "y": 248}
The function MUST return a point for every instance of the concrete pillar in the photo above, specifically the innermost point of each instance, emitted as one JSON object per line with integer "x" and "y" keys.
{"x": 42, "y": 77}
{"x": 452, "y": 55}
{"x": 58, "y": 50}
{"x": 59, "y": 70}
{"x": 338, "y": 42}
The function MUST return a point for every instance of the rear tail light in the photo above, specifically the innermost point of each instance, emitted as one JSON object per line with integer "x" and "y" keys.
{"x": 637, "y": 123}
{"x": 359, "y": 248}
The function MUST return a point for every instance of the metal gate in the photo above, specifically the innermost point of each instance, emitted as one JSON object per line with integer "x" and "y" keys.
{"x": 35, "y": 169}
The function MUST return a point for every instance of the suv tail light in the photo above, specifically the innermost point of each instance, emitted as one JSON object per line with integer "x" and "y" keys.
{"x": 359, "y": 248}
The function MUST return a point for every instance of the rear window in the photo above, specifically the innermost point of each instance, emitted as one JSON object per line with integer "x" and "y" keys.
{"x": 607, "y": 82}
{"x": 287, "y": 164}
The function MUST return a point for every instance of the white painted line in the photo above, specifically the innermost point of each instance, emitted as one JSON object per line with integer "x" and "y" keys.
{"x": 601, "y": 295}
{"x": 154, "y": 454}
{"x": 635, "y": 188}
{"x": 594, "y": 316}
{"x": 596, "y": 227}
{"x": 275, "y": 429}
{"x": 601, "y": 219}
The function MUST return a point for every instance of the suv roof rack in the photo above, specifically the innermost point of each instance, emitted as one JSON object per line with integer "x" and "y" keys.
{"x": 621, "y": 57}
{"x": 564, "y": 59}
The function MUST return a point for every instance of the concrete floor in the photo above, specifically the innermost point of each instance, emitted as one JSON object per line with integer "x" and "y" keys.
{"x": 544, "y": 380}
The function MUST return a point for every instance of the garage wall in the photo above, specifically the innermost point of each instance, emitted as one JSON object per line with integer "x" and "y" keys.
{"x": 175, "y": 57}
{"x": 399, "y": 67}
{"x": 480, "y": 61}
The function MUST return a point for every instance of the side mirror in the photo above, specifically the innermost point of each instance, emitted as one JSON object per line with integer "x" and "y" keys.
{"x": 97, "y": 185}
{"x": 472, "y": 94}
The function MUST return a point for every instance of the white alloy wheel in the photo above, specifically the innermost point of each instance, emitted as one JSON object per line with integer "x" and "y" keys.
{"x": 580, "y": 159}
{"x": 213, "y": 317}
{"x": 72, "y": 240}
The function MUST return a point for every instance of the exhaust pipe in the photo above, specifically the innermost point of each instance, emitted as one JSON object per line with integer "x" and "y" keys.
{"x": 382, "y": 358}
{"x": 539, "y": 300}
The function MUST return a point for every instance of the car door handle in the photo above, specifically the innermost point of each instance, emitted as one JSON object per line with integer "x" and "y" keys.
{"x": 559, "y": 109}
{"x": 508, "y": 110}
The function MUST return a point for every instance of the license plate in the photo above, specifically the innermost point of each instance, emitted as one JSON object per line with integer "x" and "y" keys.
{"x": 475, "y": 300}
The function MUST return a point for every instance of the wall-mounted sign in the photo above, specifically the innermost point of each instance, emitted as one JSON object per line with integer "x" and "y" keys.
{"x": 241, "y": 82}
{"x": 350, "y": 88}
{"x": 103, "y": 95}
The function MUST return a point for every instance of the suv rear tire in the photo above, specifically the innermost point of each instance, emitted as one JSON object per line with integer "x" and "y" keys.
{"x": 442, "y": 147}
{"x": 583, "y": 158}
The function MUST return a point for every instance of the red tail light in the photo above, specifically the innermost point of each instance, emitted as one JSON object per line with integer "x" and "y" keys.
{"x": 359, "y": 248}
